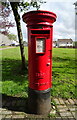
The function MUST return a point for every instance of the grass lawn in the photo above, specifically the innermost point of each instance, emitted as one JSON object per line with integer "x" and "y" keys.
{"x": 64, "y": 64}
{"x": 15, "y": 82}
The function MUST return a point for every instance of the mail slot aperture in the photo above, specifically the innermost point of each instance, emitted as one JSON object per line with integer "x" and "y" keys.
{"x": 40, "y": 31}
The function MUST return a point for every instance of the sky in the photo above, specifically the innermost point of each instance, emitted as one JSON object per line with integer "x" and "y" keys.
{"x": 64, "y": 27}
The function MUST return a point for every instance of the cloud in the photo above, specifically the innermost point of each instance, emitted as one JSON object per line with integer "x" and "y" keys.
{"x": 60, "y": 1}
{"x": 64, "y": 27}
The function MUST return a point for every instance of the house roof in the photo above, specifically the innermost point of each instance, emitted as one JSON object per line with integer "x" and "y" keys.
{"x": 65, "y": 40}
{"x": 5, "y": 40}
{"x": 54, "y": 42}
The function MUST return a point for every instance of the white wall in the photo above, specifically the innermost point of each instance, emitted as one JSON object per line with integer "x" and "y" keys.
{"x": 65, "y": 44}
{"x": 5, "y": 40}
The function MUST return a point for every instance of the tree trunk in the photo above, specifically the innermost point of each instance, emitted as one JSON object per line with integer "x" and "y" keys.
{"x": 14, "y": 6}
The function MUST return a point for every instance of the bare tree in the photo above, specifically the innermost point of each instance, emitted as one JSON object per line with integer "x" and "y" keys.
{"x": 23, "y": 6}
{"x": 5, "y": 24}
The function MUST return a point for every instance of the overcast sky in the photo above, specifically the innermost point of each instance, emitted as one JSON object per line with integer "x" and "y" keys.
{"x": 64, "y": 27}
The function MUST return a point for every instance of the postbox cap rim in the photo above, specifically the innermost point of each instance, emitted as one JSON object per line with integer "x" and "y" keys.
{"x": 39, "y": 17}
{"x": 38, "y": 11}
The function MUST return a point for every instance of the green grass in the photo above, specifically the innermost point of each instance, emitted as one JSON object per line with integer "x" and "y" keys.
{"x": 64, "y": 73}
{"x": 15, "y": 82}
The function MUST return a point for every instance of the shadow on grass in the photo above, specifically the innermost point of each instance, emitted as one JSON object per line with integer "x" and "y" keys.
{"x": 15, "y": 103}
{"x": 14, "y": 79}
{"x": 12, "y": 69}
{"x": 62, "y": 59}
{"x": 65, "y": 65}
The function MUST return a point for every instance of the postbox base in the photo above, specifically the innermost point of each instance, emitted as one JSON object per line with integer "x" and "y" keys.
{"x": 39, "y": 102}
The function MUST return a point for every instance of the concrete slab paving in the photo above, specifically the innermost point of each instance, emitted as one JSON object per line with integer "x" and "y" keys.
{"x": 64, "y": 111}
{"x": 61, "y": 101}
{"x": 71, "y": 101}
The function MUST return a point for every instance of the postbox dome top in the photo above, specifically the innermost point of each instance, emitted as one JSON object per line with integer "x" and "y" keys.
{"x": 39, "y": 17}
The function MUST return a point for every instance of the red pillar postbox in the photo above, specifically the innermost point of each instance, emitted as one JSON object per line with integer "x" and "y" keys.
{"x": 40, "y": 32}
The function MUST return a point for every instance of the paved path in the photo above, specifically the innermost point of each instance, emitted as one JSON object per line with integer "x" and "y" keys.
{"x": 16, "y": 109}
{"x": 6, "y": 48}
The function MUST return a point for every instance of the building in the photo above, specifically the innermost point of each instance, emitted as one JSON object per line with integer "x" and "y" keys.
{"x": 75, "y": 20}
{"x": 5, "y": 41}
{"x": 25, "y": 43}
{"x": 54, "y": 44}
{"x": 14, "y": 43}
{"x": 66, "y": 43}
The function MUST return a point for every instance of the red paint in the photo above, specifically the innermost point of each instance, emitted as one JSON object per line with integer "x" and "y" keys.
{"x": 40, "y": 29}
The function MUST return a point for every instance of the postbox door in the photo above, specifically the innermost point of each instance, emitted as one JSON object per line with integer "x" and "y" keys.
{"x": 40, "y": 61}
{"x": 43, "y": 63}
